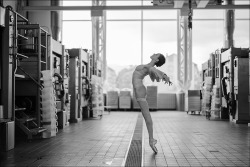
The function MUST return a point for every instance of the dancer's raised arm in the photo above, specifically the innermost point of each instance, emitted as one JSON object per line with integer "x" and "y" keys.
{"x": 158, "y": 75}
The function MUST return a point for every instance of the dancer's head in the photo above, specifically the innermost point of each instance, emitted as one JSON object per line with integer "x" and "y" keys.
{"x": 158, "y": 58}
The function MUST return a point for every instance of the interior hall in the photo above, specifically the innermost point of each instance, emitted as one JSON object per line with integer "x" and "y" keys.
{"x": 130, "y": 83}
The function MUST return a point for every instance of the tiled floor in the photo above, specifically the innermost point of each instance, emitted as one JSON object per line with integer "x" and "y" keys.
{"x": 191, "y": 140}
{"x": 96, "y": 142}
{"x": 183, "y": 140}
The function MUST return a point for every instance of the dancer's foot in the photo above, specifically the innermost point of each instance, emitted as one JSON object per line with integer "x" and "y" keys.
{"x": 152, "y": 144}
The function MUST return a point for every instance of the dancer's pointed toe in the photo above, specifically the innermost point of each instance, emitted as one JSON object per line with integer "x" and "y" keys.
{"x": 152, "y": 144}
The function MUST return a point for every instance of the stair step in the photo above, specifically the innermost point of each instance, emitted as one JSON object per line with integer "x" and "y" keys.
{"x": 26, "y": 119}
{"x": 20, "y": 109}
{"x": 37, "y": 130}
{"x": 19, "y": 76}
{"x": 22, "y": 56}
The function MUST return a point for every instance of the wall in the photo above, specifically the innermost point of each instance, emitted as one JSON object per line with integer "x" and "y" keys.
{"x": 40, "y": 17}
{"x": 12, "y": 3}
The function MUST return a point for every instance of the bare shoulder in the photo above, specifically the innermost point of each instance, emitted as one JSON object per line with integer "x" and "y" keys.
{"x": 151, "y": 68}
{"x": 141, "y": 67}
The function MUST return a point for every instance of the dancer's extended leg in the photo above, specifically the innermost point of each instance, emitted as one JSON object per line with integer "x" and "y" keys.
{"x": 149, "y": 123}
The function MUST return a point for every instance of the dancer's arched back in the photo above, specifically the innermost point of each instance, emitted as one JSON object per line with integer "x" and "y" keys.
{"x": 140, "y": 90}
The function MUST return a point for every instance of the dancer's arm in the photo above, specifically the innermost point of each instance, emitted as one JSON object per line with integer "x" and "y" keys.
{"x": 155, "y": 74}
{"x": 158, "y": 75}
{"x": 167, "y": 79}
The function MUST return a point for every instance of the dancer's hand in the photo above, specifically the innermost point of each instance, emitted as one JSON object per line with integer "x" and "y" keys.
{"x": 167, "y": 80}
{"x": 170, "y": 83}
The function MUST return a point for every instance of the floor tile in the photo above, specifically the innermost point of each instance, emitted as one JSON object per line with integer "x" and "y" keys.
{"x": 191, "y": 140}
{"x": 183, "y": 140}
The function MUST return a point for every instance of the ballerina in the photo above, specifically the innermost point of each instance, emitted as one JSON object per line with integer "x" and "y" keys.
{"x": 140, "y": 90}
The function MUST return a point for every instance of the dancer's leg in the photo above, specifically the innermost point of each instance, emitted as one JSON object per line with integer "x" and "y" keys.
{"x": 140, "y": 93}
{"x": 146, "y": 114}
{"x": 149, "y": 123}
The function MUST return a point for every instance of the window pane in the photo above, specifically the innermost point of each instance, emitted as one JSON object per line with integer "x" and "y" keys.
{"x": 123, "y": 3}
{"x": 208, "y": 36}
{"x": 77, "y": 34}
{"x": 76, "y": 15}
{"x": 123, "y": 43}
{"x": 242, "y": 2}
{"x": 208, "y": 14}
{"x": 160, "y": 14}
{"x": 161, "y": 37}
{"x": 242, "y": 14}
{"x": 121, "y": 15}
{"x": 241, "y": 34}
{"x": 77, "y": 3}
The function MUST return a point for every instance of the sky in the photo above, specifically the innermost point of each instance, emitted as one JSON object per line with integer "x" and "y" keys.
{"x": 124, "y": 33}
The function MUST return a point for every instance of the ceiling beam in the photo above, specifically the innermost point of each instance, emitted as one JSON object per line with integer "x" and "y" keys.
{"x": 202, "y": 3}
{"x": 74, "y": 8}
{"x": 179, "y": 3}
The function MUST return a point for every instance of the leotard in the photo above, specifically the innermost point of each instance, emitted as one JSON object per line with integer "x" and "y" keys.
{"x": 141, "y": 71}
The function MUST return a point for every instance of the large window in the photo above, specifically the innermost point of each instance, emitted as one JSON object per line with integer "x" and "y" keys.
{"x": 160, "y": 14}
{"x": 208, "y": 36}
{"x": 209, "y": 32}
{"x": 77, "y": 34}
{"x": 123, "y": 15}
{"x": 123, "y": 42}
{"x": 241, "y": 32}
{"x": 133, "y": 35}
{"x": 123, "y": 3}
{"x": 159, "y": 37}
{"x": 77, "y": 26}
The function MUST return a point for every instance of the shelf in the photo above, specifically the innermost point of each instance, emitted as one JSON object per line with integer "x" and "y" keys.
{"x": 20, "y": 109}
{"x": 30, "y": 45}
{"x": 33, "y": 62}
{"x": 22, "y": 21}
{"x": 28, "y": 26}
{"x": 43, "y": 46}
{"x": 19, "y": 76}
{"x": 31, "y": 26}
{"x": 23, "y": 120}
{"x": 22, "y": 37}
{"x": 37, "y": 130}
{"x": 22, "y": 17}
{"x": 30, "y": 60}
{"x": 25, "y": 44}
{"x": 58, "y": 110}
{"x": 30, "y": 54}
{"x": 4, "y": 120}
{"x": 44, "y": 30}
{"x": 21, "y": 55}
{"x": 24, "y": 79}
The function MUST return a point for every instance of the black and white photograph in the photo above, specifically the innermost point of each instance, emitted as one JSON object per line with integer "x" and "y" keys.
{"x": 125, "y": 83}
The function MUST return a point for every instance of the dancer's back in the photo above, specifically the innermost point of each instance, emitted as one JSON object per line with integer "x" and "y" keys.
{"x": 140, "y": 90}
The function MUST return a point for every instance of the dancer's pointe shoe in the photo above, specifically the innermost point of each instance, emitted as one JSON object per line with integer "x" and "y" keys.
{"x": 152, "y": 144}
